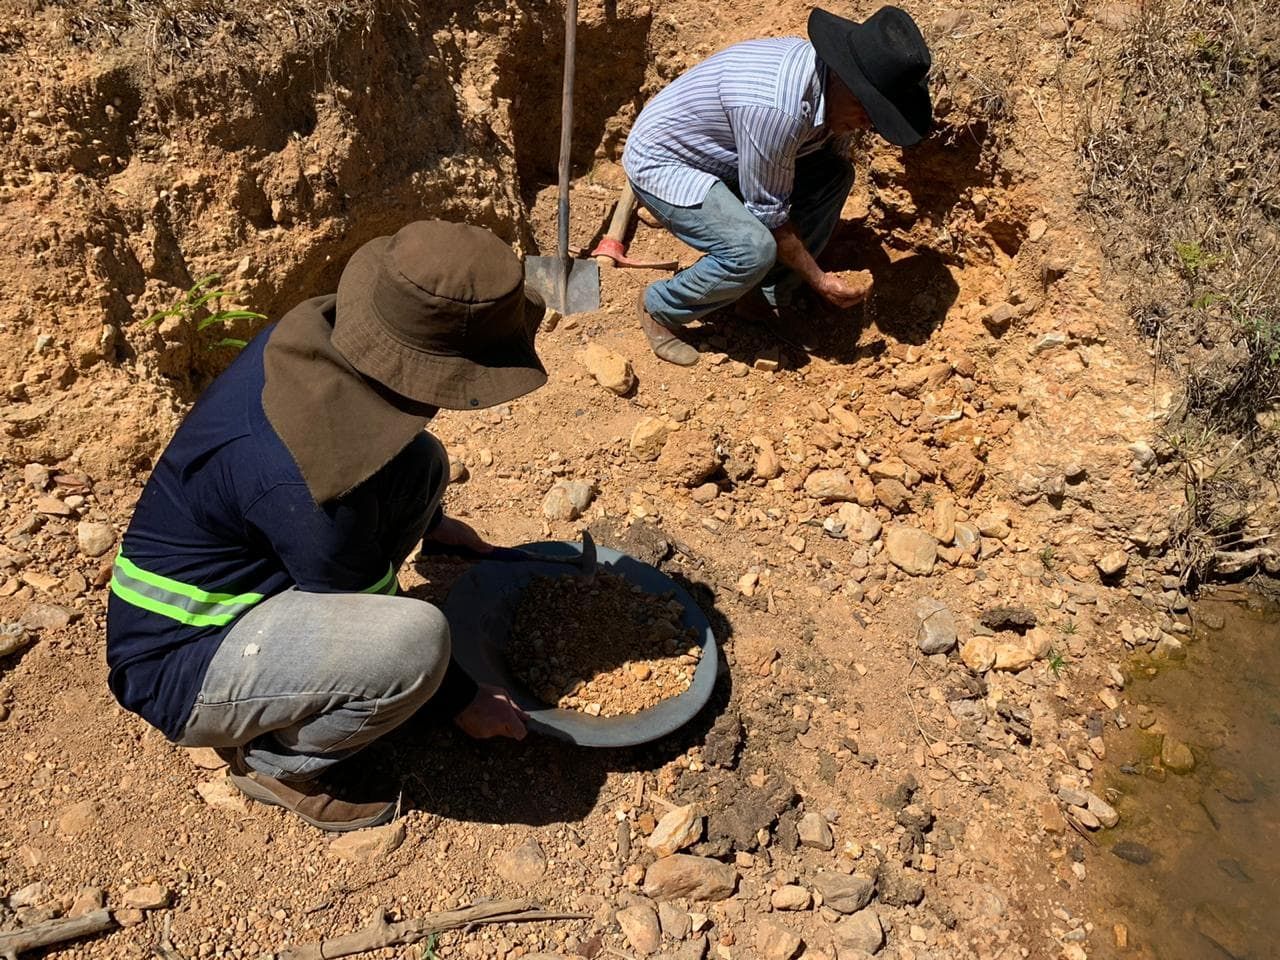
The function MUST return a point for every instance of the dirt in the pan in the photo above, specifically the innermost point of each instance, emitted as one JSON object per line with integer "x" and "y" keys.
{"x": 601, "y": 645}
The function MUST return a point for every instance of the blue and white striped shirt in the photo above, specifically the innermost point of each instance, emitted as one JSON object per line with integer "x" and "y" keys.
{"x": 743, "y": 116}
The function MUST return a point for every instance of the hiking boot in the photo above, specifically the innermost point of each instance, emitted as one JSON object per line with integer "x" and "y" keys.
{"x": 667, "y": 344}
{"x": 316, "y": 802}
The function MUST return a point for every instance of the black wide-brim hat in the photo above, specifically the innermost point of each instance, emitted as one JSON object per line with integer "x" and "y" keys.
{"x": 885, "y": 62}
{"x": 437, "y": 313}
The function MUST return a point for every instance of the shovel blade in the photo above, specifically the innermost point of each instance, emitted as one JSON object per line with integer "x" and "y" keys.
{"x": 577, "y": 291}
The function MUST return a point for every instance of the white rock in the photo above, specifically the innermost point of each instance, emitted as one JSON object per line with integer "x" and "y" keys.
{"x": 678, "y": 828}
{"x": 94, "y": 539}
{"x": 911, "y": 549}
{"x": 568, "y": 500}
{"x": 362, "y": 846}
{"x": 639, "y": 925}
{"x": 815, "y": 832}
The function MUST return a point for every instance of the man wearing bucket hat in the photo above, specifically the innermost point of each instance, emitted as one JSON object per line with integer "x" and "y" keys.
{"x": 253, "y": 606}
{"x": 745, "y": 158}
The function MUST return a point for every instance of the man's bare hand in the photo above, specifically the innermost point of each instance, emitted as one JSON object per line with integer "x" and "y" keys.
{"x": 451, "y": 532}
{"x": 845, "y": 290}
{"x": 492, "y": 714}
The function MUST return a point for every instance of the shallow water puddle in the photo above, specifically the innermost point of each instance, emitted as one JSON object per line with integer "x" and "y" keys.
{"x": 1193, "y": 870}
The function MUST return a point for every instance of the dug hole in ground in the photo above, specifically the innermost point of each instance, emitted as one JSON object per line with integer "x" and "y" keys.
{"x": 928, "y": 550}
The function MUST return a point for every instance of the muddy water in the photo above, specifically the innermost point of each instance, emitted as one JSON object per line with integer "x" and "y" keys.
{"x": 1193, "y": 870}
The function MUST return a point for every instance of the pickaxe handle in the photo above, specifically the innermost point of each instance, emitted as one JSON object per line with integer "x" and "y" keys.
{"x": 611, "y": 251}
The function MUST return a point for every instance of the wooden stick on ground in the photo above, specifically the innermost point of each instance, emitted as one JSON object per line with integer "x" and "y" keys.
{"x": 50, "y": 932}
{"x": 380, "y": 933}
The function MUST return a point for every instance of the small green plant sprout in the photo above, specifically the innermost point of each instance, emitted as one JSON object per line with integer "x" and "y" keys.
{"x": 1194, "y": 258}
{"x": 1047, "y": 557}
{"x": 200, "y": 299}
{"x": 429, "y": 948}
{"x": 1069, "y": 628}
{"x": 1056, "y": 661}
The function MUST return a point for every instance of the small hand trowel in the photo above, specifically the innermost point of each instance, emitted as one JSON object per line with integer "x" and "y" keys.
{"x": 565, "y": 284}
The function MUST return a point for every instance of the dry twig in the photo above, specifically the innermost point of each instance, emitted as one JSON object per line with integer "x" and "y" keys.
{"x": 50, "y": 932}
{"x": 381, "y": 933}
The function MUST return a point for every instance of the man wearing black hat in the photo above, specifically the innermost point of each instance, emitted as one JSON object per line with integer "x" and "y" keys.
{"x": 745, "y": 158}
{"x": 253, "y": 604}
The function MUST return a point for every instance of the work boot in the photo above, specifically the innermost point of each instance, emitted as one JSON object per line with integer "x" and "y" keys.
{"x": 314, "y": 801}
{"x": 667, "y": 344}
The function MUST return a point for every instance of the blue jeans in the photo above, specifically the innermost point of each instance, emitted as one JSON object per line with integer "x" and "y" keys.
{"x": 304, "y": 680}
{"x": 739, "y": 251}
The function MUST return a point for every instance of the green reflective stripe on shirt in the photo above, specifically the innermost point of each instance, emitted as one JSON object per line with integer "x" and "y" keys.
{"x": 182, "y": 589}
{"x": 386, "y": 585}
{"x": 176, "y": 600}
{"x": 168, "y": 610}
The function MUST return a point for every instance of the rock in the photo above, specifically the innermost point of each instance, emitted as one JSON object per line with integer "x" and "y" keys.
{"x": 523, "y": 866}
{"x": 995, "y": 524}
{"x": 674, "y": 921}
{"x": 567, "y": 500}
{"x": 767, "y": 466}
{"x": 897, "y": 887}
{"x": 859, "y": 523}
{"x": 705, "y": 493}
{"x": 639, "y": 925}
{"x": 678, "y": 828}
{"x": 844, "y": 893}
{"x": 1112, "y": 563}
{"x": 961, "y": 469}
{"x": 893, "y": 495}
{"x": 611, "y": 370}
{"x": 648, "y": 438}
{"x": 829, "y": 486}
{"x": 206, "y": 758}
{"x": 1106, "y": 814}
{"x": 937, "y": 633}
{"x": 33, "y": 894}
{"x": 14, "y": 637}
{"x": 79, "y": 818}
{"x": 87, "y": 900}
{"x": 979, "y": 654}
{"x": 94, "y": 539}
{"x": 1134, "y": 852}
{"x": 910, "y": 549}
{"x": 128, "y": 916}
{"x": 364, "y": 846}
{"x": 998, "y": 318}
{"x": 223, "y": 795}
{"x": 36, "y": 476}
{"x": 151, "y": 896}
{"x": 1224, "y": 931}
{"x": 720, "y": 746}
{"x": 774, "y": 941}
{"x": 944, "y": 520}
{"x": 912, "y": 381}
{"x": 53, "y": 507}
{"x": 1013, "y": 657}
{"x": 1176, "y": 755}
{"x": 791, "y": 897}
{"x": 49, "y": 616}
{"x": 697, "y": 878}
{"x": 458, "y": 472}
{"x": 862, "y": 931}
{"x": 689, "y": 457}
{"x": 695, "y": 949}
{"x": 1008, "y": 618}
{"x": 814, "y": 831}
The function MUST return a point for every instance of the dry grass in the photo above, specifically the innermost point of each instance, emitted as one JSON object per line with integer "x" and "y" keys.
{"x": 176, "y": 32}
{"x": 1185, "y": 179}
